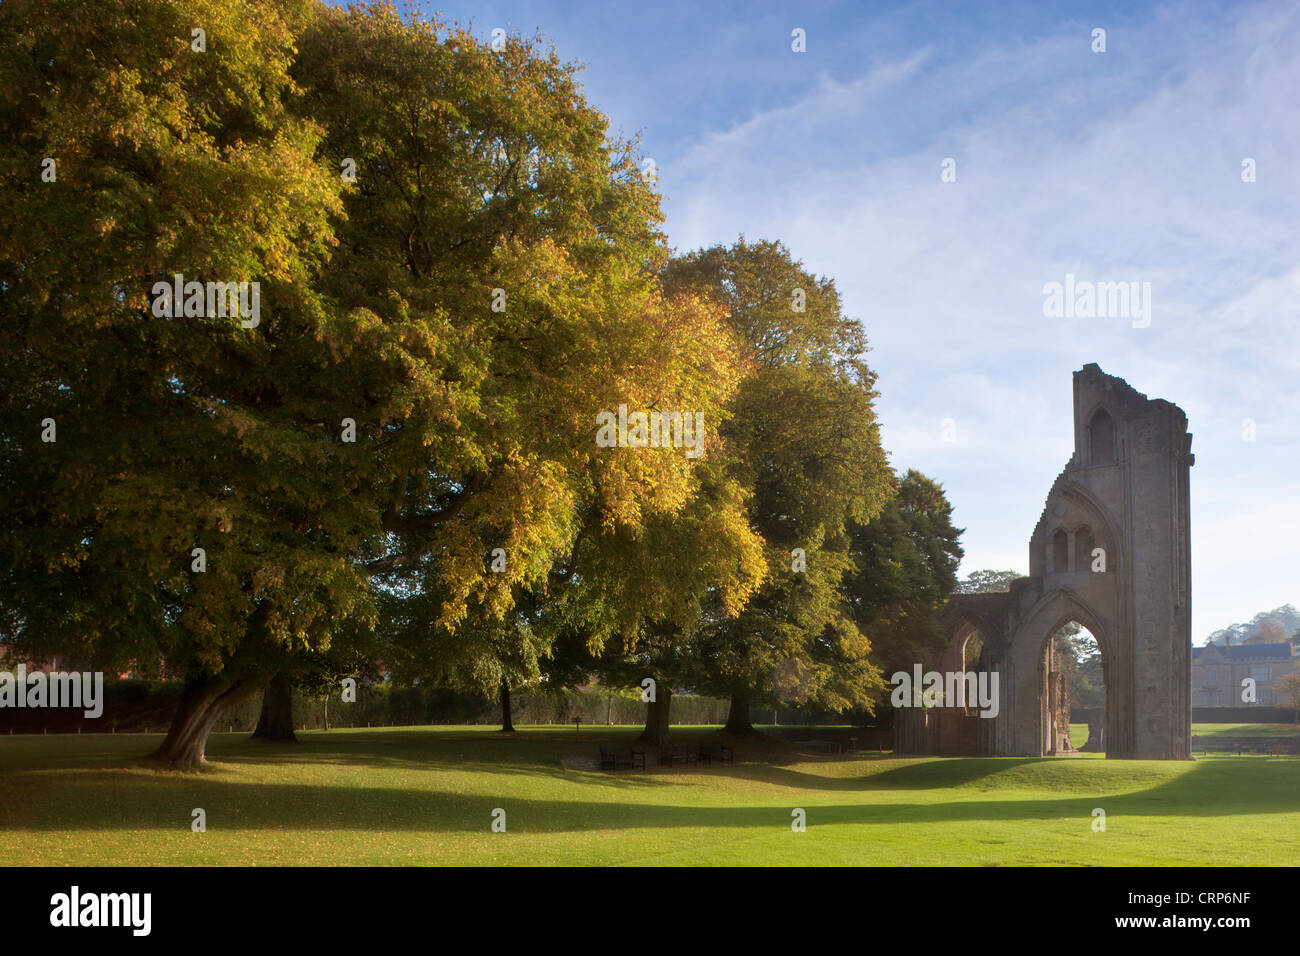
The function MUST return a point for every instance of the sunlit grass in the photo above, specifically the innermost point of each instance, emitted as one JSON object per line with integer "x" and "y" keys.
{"x": 426, "y": 796}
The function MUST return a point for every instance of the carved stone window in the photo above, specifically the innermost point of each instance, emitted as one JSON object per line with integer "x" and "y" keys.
{"x": 1060, "y": 551}
{"x": 1101, "y": 438}
{"x": 1083, "y": 545}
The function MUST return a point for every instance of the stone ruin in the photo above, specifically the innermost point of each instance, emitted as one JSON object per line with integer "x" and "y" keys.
{"x": 1110, "y": 552}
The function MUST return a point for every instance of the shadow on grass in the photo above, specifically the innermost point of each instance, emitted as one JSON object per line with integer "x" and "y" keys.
{"x": 477, "y": 753}
{"x": 913, "y": 773}
{"x": 401, "y": 750}
{"x": 101, "y": 800}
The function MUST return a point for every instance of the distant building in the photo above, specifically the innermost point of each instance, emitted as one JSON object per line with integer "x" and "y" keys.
{"x": 1217, "y": 672}
{"x": 60, "y": 663}
{"x": 56, "y": 663}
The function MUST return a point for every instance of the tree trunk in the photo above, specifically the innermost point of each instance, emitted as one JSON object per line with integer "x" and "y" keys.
{"x": 738, "y": 717}
{"x": 507, "y": 726}
{"x": 203, "y": 701}
{"x": 657, "y": 716}
{"x": 276, "y": 720}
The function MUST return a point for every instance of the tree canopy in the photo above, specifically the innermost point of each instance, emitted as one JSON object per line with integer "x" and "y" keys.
{"x": 802, "y": 438}
{"x": 436, "y": 333}
{"x": 338, "y": 339}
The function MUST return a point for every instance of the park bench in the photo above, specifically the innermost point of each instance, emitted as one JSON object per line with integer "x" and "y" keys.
{"x": 719, "y": 752}
{"x": 611, "y": 758}
{"x": 676, "y": 755}
{"x": 1275, "y": 746}
{"x": 822, "y": 746}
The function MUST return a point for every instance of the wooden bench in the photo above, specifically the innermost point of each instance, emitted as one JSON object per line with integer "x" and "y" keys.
{"x": 821, "y": 746}
{"x": 676, "y": 755}
{"x": 611, "y": 758}
{"x": 720, "y": 752}
{"x": 1276, "y": 746}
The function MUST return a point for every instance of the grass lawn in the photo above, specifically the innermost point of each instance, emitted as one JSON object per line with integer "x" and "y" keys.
{"x": 1245, "y": 730}
{"x": 1079, "y": 732}
{"x": 426, "y": 795}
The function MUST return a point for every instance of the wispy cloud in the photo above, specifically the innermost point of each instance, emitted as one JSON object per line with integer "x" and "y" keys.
{"x": 1124, "y": 165}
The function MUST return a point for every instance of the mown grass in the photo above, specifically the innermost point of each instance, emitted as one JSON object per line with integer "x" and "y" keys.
{"x": 1245, "y": 730}
{"x": 1079, "y": 732}
{"x": 426, "y": 796}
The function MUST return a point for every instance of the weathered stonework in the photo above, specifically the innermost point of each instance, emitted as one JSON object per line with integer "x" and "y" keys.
{"x": 1111, "y": 551}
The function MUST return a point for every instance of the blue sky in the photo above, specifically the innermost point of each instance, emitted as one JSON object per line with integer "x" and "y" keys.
{"x": 1123, "y": 165}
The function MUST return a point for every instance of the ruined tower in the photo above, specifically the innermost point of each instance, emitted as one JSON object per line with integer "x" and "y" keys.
{"x": 1111, "y": 552}
{"x": 1114, "y": 540}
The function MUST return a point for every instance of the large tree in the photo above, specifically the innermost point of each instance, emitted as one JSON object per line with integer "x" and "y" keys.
{"x": 173, "y": 429}
{"x": 1287, "y": 689}
{"x": 987, "y": 581}
{"x": 904, "y": 570}
{"x": 436, "y": 333}
{"x": 802, "y": 438}
{"x": 490, "y": 202}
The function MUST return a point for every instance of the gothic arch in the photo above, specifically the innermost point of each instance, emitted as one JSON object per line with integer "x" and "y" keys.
{"x": 1058, "y": 608}
{"x": 1082, "y": 511}
{"x": 1086, "y": 501}
{"x": 1052, "y": 612}
{"x": 1103, "y": 437}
